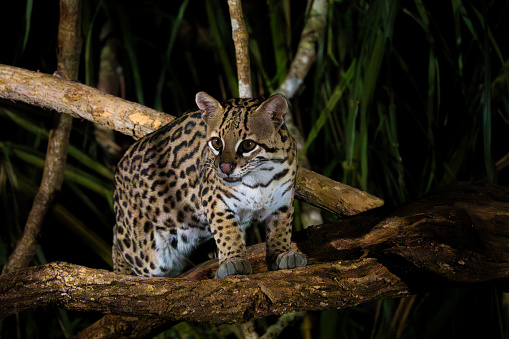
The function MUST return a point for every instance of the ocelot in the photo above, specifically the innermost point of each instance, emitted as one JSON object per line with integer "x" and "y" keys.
{"x": 207, "y": 173}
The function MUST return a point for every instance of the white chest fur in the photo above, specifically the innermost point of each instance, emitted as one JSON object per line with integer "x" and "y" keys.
{"x": 259, "y": 198}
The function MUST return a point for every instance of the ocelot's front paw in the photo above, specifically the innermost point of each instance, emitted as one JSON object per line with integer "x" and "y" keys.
{"x": 234, "y": 266}
{"x": 288, "y": 260}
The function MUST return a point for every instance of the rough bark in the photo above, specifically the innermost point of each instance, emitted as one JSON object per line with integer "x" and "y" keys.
{"x": 459, "y": 235}
{"x": 136, "y": 120}
{"x": 231, "y": 300}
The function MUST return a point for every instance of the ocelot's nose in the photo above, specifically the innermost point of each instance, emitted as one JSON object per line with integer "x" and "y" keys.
{"x": 227, "y": 167}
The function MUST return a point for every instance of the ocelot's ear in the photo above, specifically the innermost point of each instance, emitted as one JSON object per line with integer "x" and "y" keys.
{"x": 276, "y": 107}
{"x": 208, "y": 105}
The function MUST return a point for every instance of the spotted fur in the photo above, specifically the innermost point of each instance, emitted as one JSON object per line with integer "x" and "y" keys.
{"x": 208, "y": 173}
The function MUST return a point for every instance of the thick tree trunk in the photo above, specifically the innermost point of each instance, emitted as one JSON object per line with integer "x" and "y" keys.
{"x": 460, "y": 235}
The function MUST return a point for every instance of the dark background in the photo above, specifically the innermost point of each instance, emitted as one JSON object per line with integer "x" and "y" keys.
{"x": 423, "y": 102}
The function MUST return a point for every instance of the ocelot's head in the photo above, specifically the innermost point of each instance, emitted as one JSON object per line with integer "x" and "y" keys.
{"x": 247, "y": 139}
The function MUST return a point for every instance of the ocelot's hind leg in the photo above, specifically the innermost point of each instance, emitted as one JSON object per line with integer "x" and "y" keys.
{"x": 120, "y": 266}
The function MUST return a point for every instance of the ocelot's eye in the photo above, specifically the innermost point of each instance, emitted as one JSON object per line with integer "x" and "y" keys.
{"x": 216, "y": 143}
{"x": 247, "y": 146}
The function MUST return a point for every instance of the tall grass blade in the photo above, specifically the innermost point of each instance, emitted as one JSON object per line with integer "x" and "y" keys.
{"x": 486, "y": 105}
{"x": 158, "y": 105}
{"x": 279, "y": 16}
{"x": 73, "y": 151}
{"x": 89, "y": 48}
{"x": 219, "y": 29}
{"x": 329, "y": 107}
{"x": 71, "y": 173}
{"x": 128, "y": 39}
{"x": 28, "y": 19}
{"x": 73, "y": 223}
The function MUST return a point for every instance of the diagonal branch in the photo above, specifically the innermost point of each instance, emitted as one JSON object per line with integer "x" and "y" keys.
{"x": 134, "y": 119}
{"x": 305, "y": 57}
{"x": 79, "y": 101}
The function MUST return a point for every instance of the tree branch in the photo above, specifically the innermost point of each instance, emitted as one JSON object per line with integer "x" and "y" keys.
{"x": 331, "y": 195}
{"x": 232, "y": 300}
{"x": 79, "y": 101}
{"x": 305, "y": 57}
{"x": 69, "y": 49}
{"x": 457, "y": 236}
{"x": 136, "y": 120}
